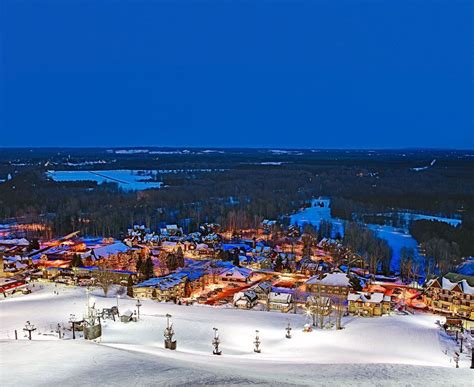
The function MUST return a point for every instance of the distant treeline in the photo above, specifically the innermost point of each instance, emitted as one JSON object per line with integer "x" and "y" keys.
{"x": 238, "y": 197}
{"x": 427, "y": 230}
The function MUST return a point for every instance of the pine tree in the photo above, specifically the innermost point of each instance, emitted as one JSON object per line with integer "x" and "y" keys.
{"x": 179, "y": 257}
{"x": 130, "y": 286}
{"x": 278, "y": 264}
{"x": 172, "y": 262}
{"x": 139, "y": 264}
{"x": 355, "y": 283}
{"x": 34, "y": 245}
{"x": 149, "y": 268}
{"x": 77, "y": 261}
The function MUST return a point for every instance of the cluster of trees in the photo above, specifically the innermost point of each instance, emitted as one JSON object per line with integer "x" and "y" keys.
{"x": 441, "y": 256}
{"x": 463, "y": 236}
{"x": 409, "y": 265}
{"x": 232, "y": 255}
{"x": 173, "y": 261}
{"x": 322, "y": 308}
{"x": 145, "y": 269}
{"x": 376, "y": 252}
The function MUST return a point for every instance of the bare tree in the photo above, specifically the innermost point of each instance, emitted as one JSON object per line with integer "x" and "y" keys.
{"x": 319, "y": 307}
{"x": 104, "y": 279}
{"x": 339, "y": 310}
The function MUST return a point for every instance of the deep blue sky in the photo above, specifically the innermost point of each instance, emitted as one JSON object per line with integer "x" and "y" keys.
{"x": 321, "y": 73}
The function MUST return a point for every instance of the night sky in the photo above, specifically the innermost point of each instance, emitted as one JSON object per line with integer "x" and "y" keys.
{"x": 319, "y": 74}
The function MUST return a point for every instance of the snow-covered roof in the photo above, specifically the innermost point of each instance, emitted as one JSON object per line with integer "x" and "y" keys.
{"x": 280, "y": 297}
{"x": 107, "y": 250}
{"x": 235, "y": 272}
{"x": 169, "y": 244}
{"x": 367, "y": 297}
{"x": 331, "y": 279}
{"x": 163, "y": 283}
{"x": 192, "y": 274}
{"x": 245, "y": 295}
{"x": 446, "y": 284}
{"x": 15, "y": 242}
{"x": 466, "y": 288}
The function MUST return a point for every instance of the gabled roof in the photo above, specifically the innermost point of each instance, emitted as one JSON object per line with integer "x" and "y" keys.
{"x": 107, "y": 250}
{"x": 454, "y": 282}
{"x": 236, "y": 272}
{"x": 331, "y": 279}
{"x": 163, "y": 283}
{"x": 367, "y": 297}
{"x": 455, "y": 277}
{"x": 280, "y": 297}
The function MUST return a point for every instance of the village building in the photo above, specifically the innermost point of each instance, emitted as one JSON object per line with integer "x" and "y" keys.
{"x": 119, "y": 277}
{"x": 368, "y": 304}
{"x": 171, "y": 230}
{"x": 235, "y": 274}
{"x": 169, "y": 287}
{"x": 309, "y": 266}
{"x": 109, "y": 250}
{"x": 9, "y": 286}
{"x": 282, "y": 302}
{"x": 262, "y": 289}
{"x": 196, "y": 280}
{"x": 181, "y": 284}
{"x": 245, "y": 300}
{"x": 329, "y": 284}
{"x": 451, "y": 295}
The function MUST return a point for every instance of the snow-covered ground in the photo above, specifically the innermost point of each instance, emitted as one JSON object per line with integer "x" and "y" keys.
{"x": 394, "y": 350}
{"x": 315, "y": 214}
{"x": 126, "y": 179}
{"x": 397, "y": 238}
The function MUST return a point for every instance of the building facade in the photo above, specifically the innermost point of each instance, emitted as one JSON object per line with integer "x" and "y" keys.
{"x": 451, "y": 295}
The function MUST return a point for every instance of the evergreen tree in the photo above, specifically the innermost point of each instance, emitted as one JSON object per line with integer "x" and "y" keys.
{"x": 130, "y": 286}
{"x": 149, "y": 268}
{"x": 278, "y": 264}
{"x": 171, "y": 262}
{"x": 139, "y": 264}
{"x": 180, "y": 257}
{"x": 77, "y": 261}
{"x": 355, "y": 283}
{"x": 34, "y": 245}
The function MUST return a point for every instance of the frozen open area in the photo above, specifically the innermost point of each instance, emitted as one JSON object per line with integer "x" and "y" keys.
{"x": 393, "y": 350}
{"x": 126, "y": 179}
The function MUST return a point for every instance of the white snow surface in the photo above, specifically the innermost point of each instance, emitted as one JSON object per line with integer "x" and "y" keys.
{"x": 126, "y": 179}
{"x": 391, "y": 350}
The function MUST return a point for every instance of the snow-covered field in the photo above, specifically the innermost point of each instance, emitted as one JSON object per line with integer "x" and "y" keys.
{"x": 126, "y": 179}
{"x": 397, "y": 238}
{"x": 395, "y": 350}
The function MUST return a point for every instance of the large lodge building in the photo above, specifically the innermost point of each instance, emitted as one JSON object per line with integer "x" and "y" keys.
{"x": 451, "y": 295}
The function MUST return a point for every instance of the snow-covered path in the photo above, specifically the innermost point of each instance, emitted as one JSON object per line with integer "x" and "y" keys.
{"x": 396, "y": 350}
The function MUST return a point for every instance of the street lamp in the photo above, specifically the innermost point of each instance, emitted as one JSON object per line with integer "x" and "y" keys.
{"x": 72, "y": 321}
{"x": 216, "y": 342}
{"x": 29, "y": 328}
{"x": 138, "y": 304}
{"x": 288, "y": 331}
{"x": 257, "y": 343}
{"x": 169, "y": 333}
